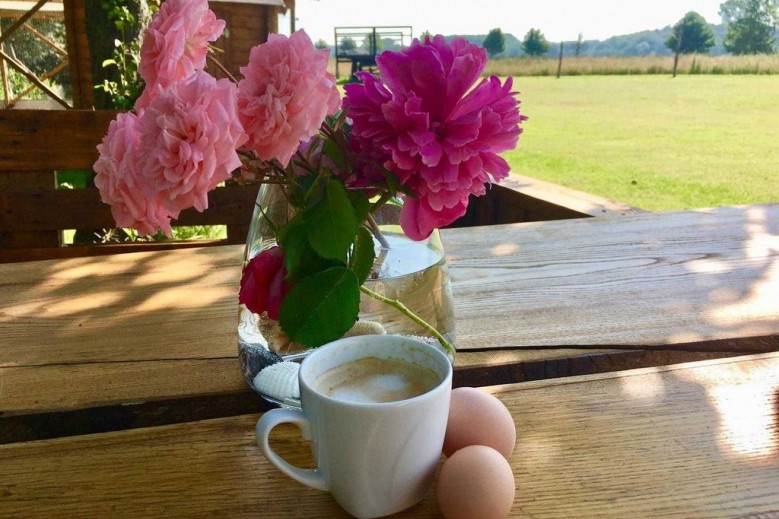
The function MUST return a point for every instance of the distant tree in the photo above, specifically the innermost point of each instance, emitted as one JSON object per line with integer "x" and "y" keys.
{"x": 347, "y": 44}
{"x": 535, "y": 43}
{"x": 321, "y": 44}
{"x": 691, "y": 34}
{"x": 388, "y": 44}
{"x": 751, "y": 25}
{"x": 495, "y": 42}
{"x": 370, "y": 44}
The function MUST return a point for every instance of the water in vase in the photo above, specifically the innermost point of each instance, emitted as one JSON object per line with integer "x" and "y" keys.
{"x": 415, "y": 274}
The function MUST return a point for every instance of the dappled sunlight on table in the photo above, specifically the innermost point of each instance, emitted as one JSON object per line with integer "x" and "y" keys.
{"x": 504, "y": 249}
{"x": 78, "y": 305}
{"x": 649, "y": 386}
{"x": 179, "y": 298}
{"x": 746, "y": 407}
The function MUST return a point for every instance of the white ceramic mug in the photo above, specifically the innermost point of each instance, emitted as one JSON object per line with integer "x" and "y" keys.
{"x": 375, "y": 459}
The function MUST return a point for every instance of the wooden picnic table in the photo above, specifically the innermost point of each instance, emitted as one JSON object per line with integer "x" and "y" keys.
{"x": 120, "y": 392}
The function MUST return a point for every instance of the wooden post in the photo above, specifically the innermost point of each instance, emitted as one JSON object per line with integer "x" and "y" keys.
{"x": 78, "y": 53}
{"x": 4, "y": 79}
{"x": 560, "y": 61}
{"x": 678, "y": 49}
{"x": 335, "y": 42}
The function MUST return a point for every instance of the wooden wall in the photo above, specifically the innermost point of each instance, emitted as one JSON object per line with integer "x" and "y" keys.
{"x": 247, "y": 25}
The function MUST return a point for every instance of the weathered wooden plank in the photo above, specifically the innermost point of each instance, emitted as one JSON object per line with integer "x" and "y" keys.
{"x": 39, "y": 140}
{"x": 520, "y": 198}
{"x": 51, "y": 388}
{"x": 694, "y": 440}
{"x": 557, "y": 283}
{"x": 57, "y": 387}
{"x": 148, "y": 306}
{"x": 641, "y": 279}
{"x": 32, "y": 253}
{"x": 30, "y": 180}
{"x": 32, "y": 211}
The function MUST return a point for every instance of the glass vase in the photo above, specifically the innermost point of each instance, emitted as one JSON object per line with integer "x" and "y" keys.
{"x": 414, "y": 273}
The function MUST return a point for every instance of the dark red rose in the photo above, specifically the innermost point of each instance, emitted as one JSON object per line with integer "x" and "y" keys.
{"x": 262, "y": 284}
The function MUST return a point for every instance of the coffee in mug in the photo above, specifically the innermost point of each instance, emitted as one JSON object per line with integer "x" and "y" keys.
{"x": 376, "y": 380}
{"x": 375, "y": 409}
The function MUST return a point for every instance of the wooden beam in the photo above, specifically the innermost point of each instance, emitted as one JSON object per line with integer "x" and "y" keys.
{"x": 35, "y": 140}
{"x": 78, "y": 54}
{"x": 33, "y": 211}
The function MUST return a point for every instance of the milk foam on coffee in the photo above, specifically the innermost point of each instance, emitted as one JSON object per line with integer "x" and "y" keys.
{"x": 375, "y": 380}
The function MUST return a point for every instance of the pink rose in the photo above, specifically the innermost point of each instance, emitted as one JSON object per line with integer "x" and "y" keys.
{"x": 285, "y": 95}
{"x": 189, "y": 136}
{"x": 176, "y": 43}
{"x": 262, "y": 283}
{"x": 426, "y": 123}
{"x": 120, "y": 180}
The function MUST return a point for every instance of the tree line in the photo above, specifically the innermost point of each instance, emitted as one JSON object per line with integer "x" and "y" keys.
{"x": 751, "y": 29}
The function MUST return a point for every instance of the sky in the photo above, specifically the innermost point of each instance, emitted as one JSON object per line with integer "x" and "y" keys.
{"x": 557, "y": 19}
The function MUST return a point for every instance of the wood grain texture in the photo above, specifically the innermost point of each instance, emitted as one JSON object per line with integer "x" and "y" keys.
{"x": 82, "y": 208}
{"x": 36, "y": 140}
{"x": 699, "y": 440}
{"x": 642, "y": 279}
{"x": 524, "y": 199}
{"x": 78, "y": 53}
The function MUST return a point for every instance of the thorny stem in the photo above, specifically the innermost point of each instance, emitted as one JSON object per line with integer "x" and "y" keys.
{"x": 450, "y": 351}
{"x": 221, "y": 68}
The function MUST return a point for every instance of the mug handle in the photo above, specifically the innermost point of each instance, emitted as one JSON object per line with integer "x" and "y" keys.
{"x": 309, "y": 477}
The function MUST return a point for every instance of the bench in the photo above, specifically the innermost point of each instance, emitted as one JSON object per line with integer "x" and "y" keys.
{"x": 35, "y": 145}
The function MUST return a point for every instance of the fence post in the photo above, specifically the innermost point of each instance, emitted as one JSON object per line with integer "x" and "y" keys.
{"x": 560, "y": 61}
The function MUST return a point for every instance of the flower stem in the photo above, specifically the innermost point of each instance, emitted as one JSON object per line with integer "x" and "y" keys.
{"x": 374, "y": 228}
{"x": 450, "y": 351}
{"x": 221, "y": 68}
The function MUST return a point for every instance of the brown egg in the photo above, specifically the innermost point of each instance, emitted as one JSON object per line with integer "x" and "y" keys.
{"x": 476, "y": 483}
{"x": 478, "y": 418}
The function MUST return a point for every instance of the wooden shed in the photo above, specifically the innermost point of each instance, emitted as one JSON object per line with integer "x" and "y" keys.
{"x": 249, "y": 22}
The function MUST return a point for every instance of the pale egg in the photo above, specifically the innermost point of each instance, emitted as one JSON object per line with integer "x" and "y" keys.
{"x": 479, "y": 418}
{"x": 476, "y": 483}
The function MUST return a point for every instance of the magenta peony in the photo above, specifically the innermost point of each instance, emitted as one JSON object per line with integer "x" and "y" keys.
{"x": 285, "y": 95}
{"x": 189, "y": 136}
{"x": 120, "y": 181}
{"x": 262, "y": 283}
{"x": 425, "y": 124}
{"x": 176, "y": 43}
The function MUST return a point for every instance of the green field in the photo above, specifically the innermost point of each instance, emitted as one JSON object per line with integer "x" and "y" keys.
{"x": 652, "y": 141}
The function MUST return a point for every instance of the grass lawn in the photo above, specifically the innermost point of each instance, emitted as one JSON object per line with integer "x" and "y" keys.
{"x": 652, "y": 141}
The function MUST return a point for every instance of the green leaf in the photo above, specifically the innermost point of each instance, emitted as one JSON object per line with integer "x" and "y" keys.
{"x": 321, "y": 307}
{"x": 363, "y": 254}
{"x": 302, "y": 186}
{"x": 331, "y": 223}
{"x": 299, "y": 258}
{"x": 335, "y": 153}
{"x": 361, "y": 204}
{"x": 293, "y": 240}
